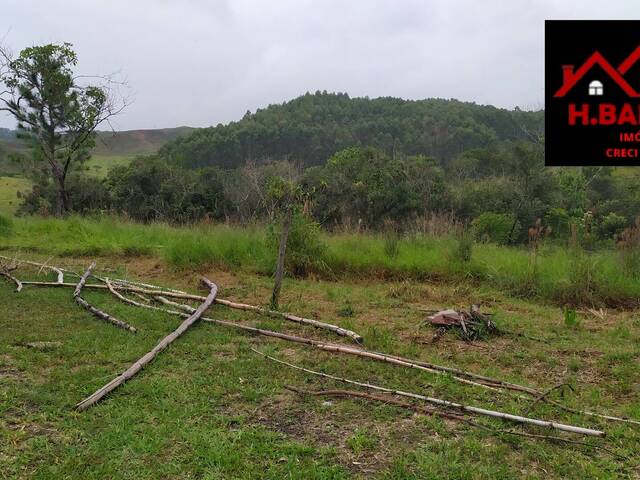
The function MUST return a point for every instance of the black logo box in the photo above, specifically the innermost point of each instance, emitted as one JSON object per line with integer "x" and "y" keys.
{"x": 572, "y": 43}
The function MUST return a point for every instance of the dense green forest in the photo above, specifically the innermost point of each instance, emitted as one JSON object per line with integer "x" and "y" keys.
{"x": 368, "y": 164}
{"x": 311, "y": 128}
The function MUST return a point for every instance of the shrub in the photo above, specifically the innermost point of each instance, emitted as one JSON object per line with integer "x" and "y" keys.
{"x": 558, "y": 219}
{"x": 571, "y": 318}
{"x": 6, "y": 226}
{"x": 305, "y": 248}
{"x": 391, "y": 239}
{"x": 495, "y": 227}
{"x": 582, "y": 267}
{"x": 629, "y": 250}
{"x": 611, "y": 225}
{"x": 464, "y": 247}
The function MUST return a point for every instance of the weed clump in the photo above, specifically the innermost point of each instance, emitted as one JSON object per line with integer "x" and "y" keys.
{"x": 464, "y": 247}
{"x": 6, "y": 226}
{"x": 305, "y": 247}
{"x": 629, "y": 250}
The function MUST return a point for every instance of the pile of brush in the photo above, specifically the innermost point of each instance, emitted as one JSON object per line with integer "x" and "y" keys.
{"x": 469, "y": 325}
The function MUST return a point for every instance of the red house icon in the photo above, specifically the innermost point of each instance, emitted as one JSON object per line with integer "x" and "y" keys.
{"x": 570, "y": 77}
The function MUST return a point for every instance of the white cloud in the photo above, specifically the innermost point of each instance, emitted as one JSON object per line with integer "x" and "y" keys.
{"x": 202, "y": 62}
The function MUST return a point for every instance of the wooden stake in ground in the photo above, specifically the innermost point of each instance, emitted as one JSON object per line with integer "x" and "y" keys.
{"x": 282, "y": 248}
{"x": 164, "y": 343}
{"x": 98, "y": 313}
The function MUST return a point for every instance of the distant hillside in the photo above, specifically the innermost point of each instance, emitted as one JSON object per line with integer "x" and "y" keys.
{"x": 137, "y": 142}
{"x": 120, "y": 145}
{"x": 310, "y": 128}
{"x": 5, "y": 133}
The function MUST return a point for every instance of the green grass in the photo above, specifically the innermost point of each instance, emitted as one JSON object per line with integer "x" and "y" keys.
{"x": 559, "y": 275}
{"x": 208, "y": 407}
{"x": 100, "y": 164}
{"x": 9, "y": 188}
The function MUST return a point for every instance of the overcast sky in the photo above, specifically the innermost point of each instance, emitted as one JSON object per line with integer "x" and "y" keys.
{"x": 202, "y": 62}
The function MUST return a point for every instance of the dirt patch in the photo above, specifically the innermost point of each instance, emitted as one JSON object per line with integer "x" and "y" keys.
{"x": 8, "y": 369}
{"x": 325, "y": 425}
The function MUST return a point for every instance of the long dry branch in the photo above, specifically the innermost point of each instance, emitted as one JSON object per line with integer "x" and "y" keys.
{"x": 240, "y": 306}
{"x": 7, "y": 275}
{"x": 252, "y": 308}
{"x": 98, "y": 313}
{"x": 452, "y": 405}
{"x": 488, "y": 381}
{"x": 164, "y": 343}
{"x": 57, "y": 270}
{"x": 435, "y": 412}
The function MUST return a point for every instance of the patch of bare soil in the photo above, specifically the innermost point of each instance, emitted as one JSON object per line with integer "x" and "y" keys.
{"x": 8, "y": 370}
{"x": 323, "y": 425}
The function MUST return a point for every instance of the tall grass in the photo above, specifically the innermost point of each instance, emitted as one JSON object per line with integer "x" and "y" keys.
{"x": 560, "y": 275}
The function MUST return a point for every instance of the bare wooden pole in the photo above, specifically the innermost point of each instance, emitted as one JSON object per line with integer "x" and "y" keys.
{"x": 453, "y": 405}
{"x": 98, "y": 313}
{"x": 164, "y": 343}
{"x": 282, "y": 248}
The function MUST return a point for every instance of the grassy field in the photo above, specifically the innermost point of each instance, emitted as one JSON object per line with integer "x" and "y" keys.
{"x": 99, "y": 164}
{"x": 208, "y": 407}
{"x": 9, "y": 187}
{"x": 555, "y": 274}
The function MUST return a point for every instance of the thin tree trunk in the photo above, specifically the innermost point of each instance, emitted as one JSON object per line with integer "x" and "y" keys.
{"x": 63, "y": 196}
{"x": 282, "y": 249}
{"x": 164, "y": 343}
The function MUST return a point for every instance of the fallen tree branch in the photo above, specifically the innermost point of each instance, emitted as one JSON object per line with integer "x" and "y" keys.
{"x": 41, "y": 265}
{"x": 125, "y": 299}
{"x": 98, "y": 313}
{"x": 436, "y": 412}
{"x": 457, "y": 372}
{"x": 293, "y": 318}
{"x": 5, "y": 273}
{"x": 544, "y": 395}
{"x": 239, "y": 306}
{"x": 453, "y": 405}
{"x": 164, "y": 343}
{"x": 252, "y": 308}
{"x": 332, "y": 347}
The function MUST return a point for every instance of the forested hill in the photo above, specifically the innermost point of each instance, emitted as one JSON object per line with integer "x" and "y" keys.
{"x": 310, "y": 128}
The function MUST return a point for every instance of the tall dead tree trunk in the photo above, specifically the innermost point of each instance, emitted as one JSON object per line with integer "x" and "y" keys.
{"x": 282, "y": 249}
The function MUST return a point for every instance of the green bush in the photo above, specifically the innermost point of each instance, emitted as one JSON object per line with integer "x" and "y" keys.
{"x": 558, "y": 219}
{"x": 463, "y": 248}
{"x": 305, "y": 247}
{"x": 611, "y": 225}
{"x": 6, "y": 226}
{"x": 494, "y": 227}
{"x": 629, "y": 250}
{"x": 391, "y": 239}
